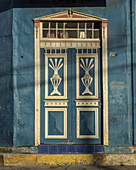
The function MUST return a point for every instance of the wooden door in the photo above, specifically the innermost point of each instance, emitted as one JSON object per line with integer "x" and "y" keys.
{"x": 71, "y": 97}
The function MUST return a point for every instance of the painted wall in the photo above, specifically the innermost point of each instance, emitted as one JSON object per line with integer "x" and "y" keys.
{"x": 6, "y": 92}
{"x": 120, "y": 87}
{"x": 134, "y": 62}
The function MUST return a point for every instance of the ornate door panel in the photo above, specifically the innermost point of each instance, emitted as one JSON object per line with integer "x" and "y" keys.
{"x": 88, "y": 100}
{"x": 70, "y": 111}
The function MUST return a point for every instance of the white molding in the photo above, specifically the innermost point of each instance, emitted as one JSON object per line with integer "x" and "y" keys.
{"x": 96, "y": 136}
{"x": 47, "y": 136}
{"x": 105, "y": 84}
{"x": 37, "y": 84}
{"x": 59, "y": 103}
{"x": 68, "y": 43}
{"x": 42, "y": 44}
{"x": 87, "y": 102}
{"x": 78, "y": 96}
{"x": 64, "y": 56}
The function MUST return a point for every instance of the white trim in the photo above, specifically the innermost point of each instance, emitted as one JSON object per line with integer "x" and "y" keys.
{"x": 37, "y": 86}
{"x": 86, "y": 16}
{"x": 75, "y": 43}
{"x": 39, "y": 45}
{"x": 105, "y": 84}
{"x": 47, "y": 136}
{"x": 87, "y": 102}
{"x": 78, "y": 96}
{"x": 96, "y": 123}
{"x": 58, "y": 103}
{"x": 64, "y": 56}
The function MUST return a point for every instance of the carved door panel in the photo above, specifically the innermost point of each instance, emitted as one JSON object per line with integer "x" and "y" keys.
{"x": 70, "y": 107}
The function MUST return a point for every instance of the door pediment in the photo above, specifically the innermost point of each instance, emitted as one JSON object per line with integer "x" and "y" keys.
{"x": 70, "y": 15}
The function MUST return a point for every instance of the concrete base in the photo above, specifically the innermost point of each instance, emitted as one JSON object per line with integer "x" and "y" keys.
{"x": 67, "y": 159}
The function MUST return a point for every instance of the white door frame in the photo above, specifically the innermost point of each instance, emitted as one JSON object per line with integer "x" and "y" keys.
{"x": 38, "y": 85}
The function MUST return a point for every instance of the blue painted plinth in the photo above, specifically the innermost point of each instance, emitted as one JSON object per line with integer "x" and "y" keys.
{"x": 59, "y": 149}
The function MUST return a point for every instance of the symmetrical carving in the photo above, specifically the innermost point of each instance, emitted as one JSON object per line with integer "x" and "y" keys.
{"x": 55, "y": 62}
{"x": 87, "y": 62}
{"x": 87, "y": 79}
{"x": 55, "y": 80}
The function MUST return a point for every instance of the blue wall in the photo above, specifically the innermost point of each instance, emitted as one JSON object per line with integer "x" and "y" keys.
{"x": 134, "y": 62}
{"x": 6, "y": 92}
{"x": 120, "y": 82}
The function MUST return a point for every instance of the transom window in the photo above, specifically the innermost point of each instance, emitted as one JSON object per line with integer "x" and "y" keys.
{"x": 70, "y": 29}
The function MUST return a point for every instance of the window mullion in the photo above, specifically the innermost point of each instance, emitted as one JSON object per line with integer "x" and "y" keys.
{"x": 56, "y": 29}
{"x": 49, "y": 28}
{"x": 92, "y": 30}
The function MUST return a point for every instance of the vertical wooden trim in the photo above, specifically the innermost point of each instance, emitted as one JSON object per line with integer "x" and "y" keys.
{"x": 92, "y": 30}
{"x": 105, "y": 83}
{"x": 37, "y": 81}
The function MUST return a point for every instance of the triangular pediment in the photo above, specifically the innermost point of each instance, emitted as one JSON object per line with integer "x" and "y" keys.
{"x": 70, "y": 15}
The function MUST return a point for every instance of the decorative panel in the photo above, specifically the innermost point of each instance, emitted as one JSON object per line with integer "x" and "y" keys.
{"x": 55, "y": 76}
{"x": 87, "y": 122}
{"x": 87, "y": 102}
{"x": 94, "y": 44}
{"x": 59, "y": 103}
{"x": 87, "y": 76}
{"x": 56, "y": 123}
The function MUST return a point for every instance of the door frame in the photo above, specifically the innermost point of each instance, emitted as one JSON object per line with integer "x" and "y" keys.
{"x": 38, "y": 81}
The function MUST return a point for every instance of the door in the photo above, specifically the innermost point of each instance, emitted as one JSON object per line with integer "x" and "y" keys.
{"x": 71, "y": 96}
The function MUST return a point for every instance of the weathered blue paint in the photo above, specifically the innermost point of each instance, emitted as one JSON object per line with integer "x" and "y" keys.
{"x": 17, "y": 34}
{"x": 117, "y": 149}
{"x": 120, "y": 95}
{"x": 23, "y": 82}
{"x": 6, "y": 92}
{"x": 133, "y": 34}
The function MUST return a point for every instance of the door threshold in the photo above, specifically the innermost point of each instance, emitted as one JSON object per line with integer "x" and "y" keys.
{"x": 72, "y": 149}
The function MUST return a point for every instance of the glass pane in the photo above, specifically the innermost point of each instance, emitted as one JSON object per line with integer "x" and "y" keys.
{"x": 53, "y": 34}
{"x": 45, "y": 25}
{"x": 81, "y": 34}
{"x": 89, "y": 25}
{"x": 89, "y": 34}
{"x": 60, "y": 24}
{"x": 96, "y": 34}
{"x": 81, "y": 25}
{"x": 71, "y": 25}
{"x": 96, "y": 25}
{"x": 60, "y": 34}
{"x": 45, "y": 34}
{"x": 53, "y": 25}
{"x": 71, "y": 34}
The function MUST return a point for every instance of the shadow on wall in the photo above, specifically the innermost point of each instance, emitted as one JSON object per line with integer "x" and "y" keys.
{"x": 8, "y": 4}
